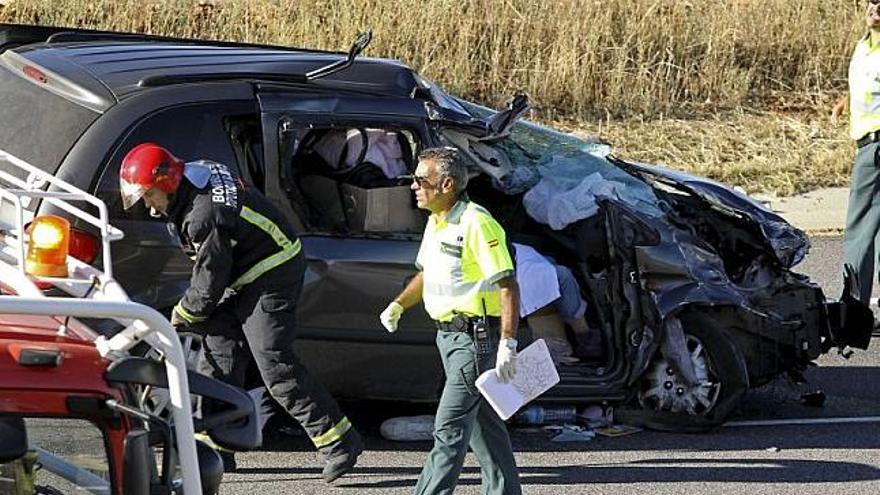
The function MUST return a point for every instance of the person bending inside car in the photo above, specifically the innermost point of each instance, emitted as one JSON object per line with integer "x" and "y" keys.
{"x": 247, "y": 278}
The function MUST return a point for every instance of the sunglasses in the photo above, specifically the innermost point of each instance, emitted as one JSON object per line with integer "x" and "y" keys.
{"x": 874, "y": 2}
{"x": 423, "y": 181}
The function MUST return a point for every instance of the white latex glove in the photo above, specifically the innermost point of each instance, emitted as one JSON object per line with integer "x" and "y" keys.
{"x": 505, "y": 361}
{"x": 391, "y": 316}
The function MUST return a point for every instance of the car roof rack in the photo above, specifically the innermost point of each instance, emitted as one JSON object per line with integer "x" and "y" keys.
{"x": 360, "y": 43}
{"x": 169, "y": 79}
{"x": 71, "y": 35}
{"x": 96, "y": 293}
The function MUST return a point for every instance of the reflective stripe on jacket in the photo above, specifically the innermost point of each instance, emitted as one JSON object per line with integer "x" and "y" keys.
{"x": 287, "y": 249}
{"x": 235, "y": 234}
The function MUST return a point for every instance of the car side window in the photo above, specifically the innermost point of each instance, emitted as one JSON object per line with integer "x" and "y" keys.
{"x": 191, "y": 132}
{"x": 351, "y": 180}
{"x": 247, "y": 141}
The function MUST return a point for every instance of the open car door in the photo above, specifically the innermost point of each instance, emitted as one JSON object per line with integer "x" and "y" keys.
{"x": 356, "y": 264}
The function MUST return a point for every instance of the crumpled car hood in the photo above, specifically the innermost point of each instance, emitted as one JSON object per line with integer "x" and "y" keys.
{"x": 789, "y": 244}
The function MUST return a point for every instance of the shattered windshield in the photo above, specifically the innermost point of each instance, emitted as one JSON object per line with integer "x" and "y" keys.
{"x": 550, "y": 163}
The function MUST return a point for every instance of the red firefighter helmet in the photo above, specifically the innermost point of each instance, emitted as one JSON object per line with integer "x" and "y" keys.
{"x": 147, "y": 166}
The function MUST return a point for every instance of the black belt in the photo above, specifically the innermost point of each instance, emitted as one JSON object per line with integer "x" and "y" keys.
{"x": 871, "y": 137}
{"x": 461, "y": 323}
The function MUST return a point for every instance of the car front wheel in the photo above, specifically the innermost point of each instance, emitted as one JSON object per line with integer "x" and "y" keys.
{"x": 666, "y": 401}
{"x": 664, "y": 389}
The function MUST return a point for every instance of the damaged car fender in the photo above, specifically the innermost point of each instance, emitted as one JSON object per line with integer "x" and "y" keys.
{"x": 679, "y": 271}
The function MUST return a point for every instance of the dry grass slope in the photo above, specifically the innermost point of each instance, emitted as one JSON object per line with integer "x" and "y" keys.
{"x": 736, "y": 90}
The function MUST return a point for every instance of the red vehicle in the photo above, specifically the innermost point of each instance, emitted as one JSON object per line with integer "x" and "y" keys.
{"x": 78, "y": 412}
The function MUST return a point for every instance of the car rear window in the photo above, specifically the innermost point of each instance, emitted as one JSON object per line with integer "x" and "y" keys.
{"x": 36, "y": 125}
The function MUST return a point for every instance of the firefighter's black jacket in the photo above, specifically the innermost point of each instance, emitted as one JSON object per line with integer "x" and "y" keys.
{"x": 233, "y": 233}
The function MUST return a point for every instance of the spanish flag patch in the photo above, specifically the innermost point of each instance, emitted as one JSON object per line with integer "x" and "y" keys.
{"x": 493, "y": 243}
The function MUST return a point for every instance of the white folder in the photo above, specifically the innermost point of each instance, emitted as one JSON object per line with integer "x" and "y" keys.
{"x": 535, "y": 374}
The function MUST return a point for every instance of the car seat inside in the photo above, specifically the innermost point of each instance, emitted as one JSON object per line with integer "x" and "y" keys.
{"x": 351, "y": 180}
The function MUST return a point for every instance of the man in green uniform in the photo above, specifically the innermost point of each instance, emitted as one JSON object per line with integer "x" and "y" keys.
{"x": 861, "y": 241}
{"x": 466, "y": 280}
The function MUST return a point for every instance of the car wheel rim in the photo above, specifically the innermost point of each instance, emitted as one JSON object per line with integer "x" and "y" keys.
{"x": 664, "y": 389}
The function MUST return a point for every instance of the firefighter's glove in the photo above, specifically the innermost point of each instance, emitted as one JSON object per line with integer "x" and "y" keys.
{"x": 505, "y": 361}
{"x": 177, "y": 321}
{"x": 391, "y": 316}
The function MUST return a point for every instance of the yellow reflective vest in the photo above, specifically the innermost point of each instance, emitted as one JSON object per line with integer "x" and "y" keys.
{"x": 462, "y": 257}
{"x": 864, "y": 88}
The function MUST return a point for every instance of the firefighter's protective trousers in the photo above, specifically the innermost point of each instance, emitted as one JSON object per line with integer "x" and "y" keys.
{"x": 260, "y": 319}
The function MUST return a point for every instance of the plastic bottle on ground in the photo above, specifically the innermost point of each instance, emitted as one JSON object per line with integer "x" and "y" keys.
{"x": 408, "y": 428}
{"x": 541, "y": 415}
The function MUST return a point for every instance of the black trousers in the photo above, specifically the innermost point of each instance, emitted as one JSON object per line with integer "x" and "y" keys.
{"x": 259, "y": 321}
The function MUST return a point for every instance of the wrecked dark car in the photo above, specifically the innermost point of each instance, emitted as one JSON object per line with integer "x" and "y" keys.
{"x": 689, "y": 282}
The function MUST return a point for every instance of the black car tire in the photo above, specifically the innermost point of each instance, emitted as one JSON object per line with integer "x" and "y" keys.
{"x": 727, "y": 375}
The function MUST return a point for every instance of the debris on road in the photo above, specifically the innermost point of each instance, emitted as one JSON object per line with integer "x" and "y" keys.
{"x": 594, "y": 416}
{"x": 408, "y": 428}
{"x": 617, "y": 430}
{"x": 571, "y": 433}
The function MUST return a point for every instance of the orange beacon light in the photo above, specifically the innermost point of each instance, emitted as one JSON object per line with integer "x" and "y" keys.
{"x": 48, "y": 239}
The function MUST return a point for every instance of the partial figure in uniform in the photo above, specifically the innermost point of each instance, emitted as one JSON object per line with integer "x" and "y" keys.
{"x": 861, "y": 244}
{"x": 247, "y": 278}
{"x": 466, "y": 280}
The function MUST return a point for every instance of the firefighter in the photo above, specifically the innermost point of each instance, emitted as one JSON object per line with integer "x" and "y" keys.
{"x": 466, "y": 280}
{"x": 247, "y": 278}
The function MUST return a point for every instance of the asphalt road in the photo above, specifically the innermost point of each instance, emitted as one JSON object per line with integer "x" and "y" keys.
{"x": 834, "y": 458}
